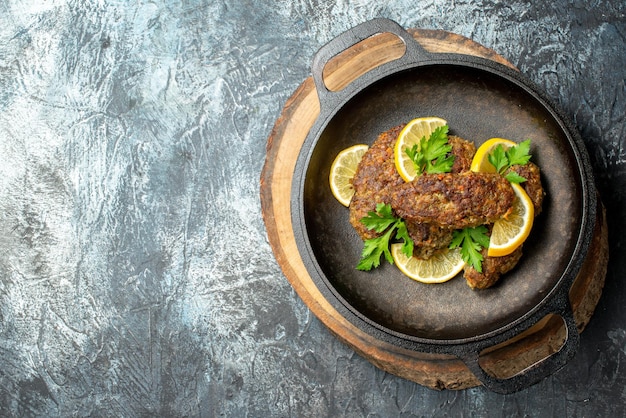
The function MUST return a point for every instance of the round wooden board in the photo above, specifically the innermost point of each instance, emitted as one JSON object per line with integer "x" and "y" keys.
{"x": 431, "y": 370}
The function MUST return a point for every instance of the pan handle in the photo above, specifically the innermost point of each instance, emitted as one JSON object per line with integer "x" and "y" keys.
{"x": 535, "y": 372}
{"x": 414, "y": 52}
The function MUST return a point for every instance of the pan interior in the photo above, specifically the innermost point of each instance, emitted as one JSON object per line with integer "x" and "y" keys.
{"x": 478, "y": 105}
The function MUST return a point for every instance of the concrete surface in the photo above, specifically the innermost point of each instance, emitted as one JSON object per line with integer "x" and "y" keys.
{"x": 136, "y": 278}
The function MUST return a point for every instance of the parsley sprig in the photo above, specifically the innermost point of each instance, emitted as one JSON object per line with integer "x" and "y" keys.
{"x": 431, "y": 156}
{"x": 517, "y": 155}
{"x": 471, "y": 241}
{"x": 380, "y": 221}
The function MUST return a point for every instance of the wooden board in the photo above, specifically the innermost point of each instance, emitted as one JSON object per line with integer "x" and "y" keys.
{"x": 431, "y": 370}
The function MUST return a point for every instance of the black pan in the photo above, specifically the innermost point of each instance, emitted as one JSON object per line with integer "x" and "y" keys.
{"x": 480, "y": 99}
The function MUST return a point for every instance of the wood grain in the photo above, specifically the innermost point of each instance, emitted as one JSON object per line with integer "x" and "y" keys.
{"x": 431, "y": 370}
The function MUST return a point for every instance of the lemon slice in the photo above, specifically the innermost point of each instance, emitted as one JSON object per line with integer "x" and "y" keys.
{"x": 480, "y": 162}
{"x": 342, "y": 171}
{"x": 511, "y": 231}
{"x": 439, "y": 268}
{"x": 409, "y": 136}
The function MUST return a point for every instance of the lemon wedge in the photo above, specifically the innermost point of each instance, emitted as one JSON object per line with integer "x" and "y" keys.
{"x": 439, "y": 268}
{"x": 511, "y": 231}
{"x": 409, "y": 136}
{"x": 342, "y": 171}
{"x": 480, "y": 162}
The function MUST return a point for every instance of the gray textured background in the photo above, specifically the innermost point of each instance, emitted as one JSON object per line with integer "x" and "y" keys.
{"x": 136, "y": 278}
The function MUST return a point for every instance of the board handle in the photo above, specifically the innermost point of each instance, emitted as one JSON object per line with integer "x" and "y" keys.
{"x": 413, "y": 53}
{"x": 535, "y": 372}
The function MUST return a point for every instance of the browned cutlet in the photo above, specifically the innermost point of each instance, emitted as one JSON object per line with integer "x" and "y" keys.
{"x": 532, "y": 186}
{"x": 374, "y": 177}
{"x": 452, "y": 200}
{"x": 463, "y": 152}
{"x": 428, "y": 238}
{"x": 434, "y": 205}
{"x": 492, "y": 269}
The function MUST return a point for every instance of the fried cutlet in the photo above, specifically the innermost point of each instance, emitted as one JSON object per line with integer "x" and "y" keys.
{"x": 428, "y": 238}
{"x": 452, "y": 200}
{"x": 375, "y": 179}
{"x": 434, "y": 205}
{"x": 492, "y": 269}
{"x": 463, "y": 152}
{"x": 532, "y": 186}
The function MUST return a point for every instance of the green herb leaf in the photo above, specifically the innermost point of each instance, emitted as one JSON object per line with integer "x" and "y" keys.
{"x": 373, "y": 249}
{"x": 437, "y": 145}
{"x": 380, "y": 221}
{"x": 503, "y": 160}
{"x": 415, "y": 156}
{"x": 479, "y": 235}
{"x": 431, "y": 156}
{"x": 441, "y": 165}
{"x": 519, "y": 154}
{"x": 471, "y": 241}
{"x": 513, "y": 177}
{"x": 418, "y": 158}
{"x": 403, "y": 234}
{"x": 498, "y": 158}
